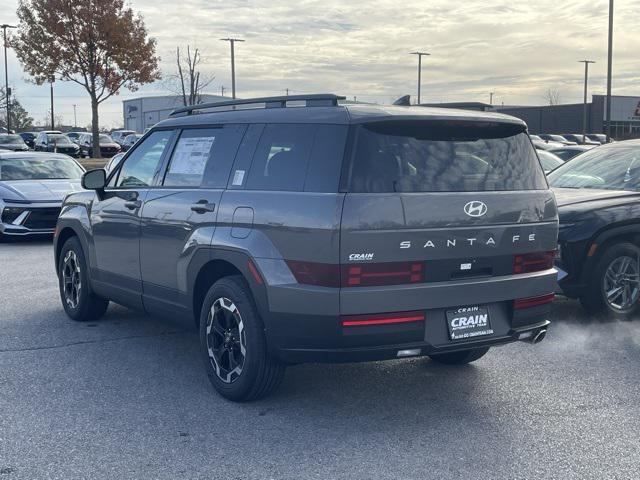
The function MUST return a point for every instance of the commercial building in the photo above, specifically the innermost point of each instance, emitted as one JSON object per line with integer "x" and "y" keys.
{"x": 144, "y": 112}
{"x": 625, "y": 116}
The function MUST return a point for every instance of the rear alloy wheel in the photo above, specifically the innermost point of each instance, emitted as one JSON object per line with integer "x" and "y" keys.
{"x": 459, "y": 358}
{"x": 78, "y": 300}
{"x": 614, "y": 287}
{"x": 233, "y": 343}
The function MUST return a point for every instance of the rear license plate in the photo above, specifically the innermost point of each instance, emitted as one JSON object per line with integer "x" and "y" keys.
{"x": 468, "y": 322}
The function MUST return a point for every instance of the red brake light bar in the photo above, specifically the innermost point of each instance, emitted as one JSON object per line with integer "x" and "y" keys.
{"x": 382, "y": 319}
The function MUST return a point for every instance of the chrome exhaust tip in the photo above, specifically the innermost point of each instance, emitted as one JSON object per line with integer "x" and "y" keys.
{"x": 538, "y": 337}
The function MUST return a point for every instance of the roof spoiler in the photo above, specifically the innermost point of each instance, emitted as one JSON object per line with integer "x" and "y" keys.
{"x": 404, "y": 101}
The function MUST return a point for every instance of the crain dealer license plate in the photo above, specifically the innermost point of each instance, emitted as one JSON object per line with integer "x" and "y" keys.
{"x": 468, "y": 322}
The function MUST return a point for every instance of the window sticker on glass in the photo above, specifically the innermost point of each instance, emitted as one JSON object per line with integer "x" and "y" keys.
{"x": 238, "y": 177}
{"x": 191, "y": 155}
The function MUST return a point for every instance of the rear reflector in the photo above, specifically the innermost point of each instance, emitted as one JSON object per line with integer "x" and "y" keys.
{"x": 533, "y": 301}
{"x": 533, "y": 262}
{"x": 382, "y": 319}
{"x": 312, "y": 273}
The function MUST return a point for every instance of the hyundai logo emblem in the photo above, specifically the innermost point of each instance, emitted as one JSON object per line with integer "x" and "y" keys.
{"x": 475, "y": 208}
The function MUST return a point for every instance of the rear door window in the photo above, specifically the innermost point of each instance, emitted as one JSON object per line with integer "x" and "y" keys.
{"x": 281, "y": 158}
{"x": 444, "y": 157}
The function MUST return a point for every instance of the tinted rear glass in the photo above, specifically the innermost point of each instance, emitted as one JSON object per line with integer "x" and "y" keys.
{"x": 444, "y": 157}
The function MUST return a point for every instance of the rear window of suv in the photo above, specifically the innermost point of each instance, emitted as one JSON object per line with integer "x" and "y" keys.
{"x": 424, "y": 156}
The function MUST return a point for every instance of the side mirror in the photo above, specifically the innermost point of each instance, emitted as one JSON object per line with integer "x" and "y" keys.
{"x": 94, "y": 180}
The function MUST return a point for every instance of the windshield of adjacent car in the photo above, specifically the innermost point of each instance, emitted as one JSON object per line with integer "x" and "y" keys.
{"x": 59, "y": 139}
{"x": 105, "y": 139}
{"x": 603, "y": 168}
{"x": 405, "y": 156}
{"x": 549, "y": 161}
{"x": 46, "y": 168}
{"x": 11, "y": 140}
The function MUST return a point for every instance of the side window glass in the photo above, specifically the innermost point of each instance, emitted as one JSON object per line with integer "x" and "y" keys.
{"x": 203, "y": 157}
{"x": 140, "y": 167}
{"x": 325, "y": 164}
{"x": 280, "y": 161}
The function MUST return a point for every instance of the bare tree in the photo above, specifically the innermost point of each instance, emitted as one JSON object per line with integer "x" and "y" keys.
{"x": 552, "y": 96}
{"x": 189, "y": 82}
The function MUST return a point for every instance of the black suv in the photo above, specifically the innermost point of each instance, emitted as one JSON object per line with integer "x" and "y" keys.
{"x": 296, "y": 229}
{"x": 598, "y": 196}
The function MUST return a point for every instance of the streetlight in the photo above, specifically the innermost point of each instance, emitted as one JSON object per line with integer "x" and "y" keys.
{"x": 584, "y": 108}
{"x": 609, "y": 61}
{"x": 51, "y": 80}
{"x": 232, "y": 41}
{"x": 420, "y": 55}
{"x": 4, "y": 27}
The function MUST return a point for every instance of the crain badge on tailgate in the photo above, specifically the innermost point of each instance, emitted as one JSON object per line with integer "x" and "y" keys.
{"x": 360, "y": 257}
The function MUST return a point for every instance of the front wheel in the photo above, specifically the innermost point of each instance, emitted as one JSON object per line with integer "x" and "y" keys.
{"x": 614, "y": 286}
{"x": 80, "y": 303}
{"x": 233, "y": 344}
{"x": 459, "y": 358}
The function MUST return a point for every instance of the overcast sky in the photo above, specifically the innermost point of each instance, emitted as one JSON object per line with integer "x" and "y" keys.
{"x": 361, "y": 48}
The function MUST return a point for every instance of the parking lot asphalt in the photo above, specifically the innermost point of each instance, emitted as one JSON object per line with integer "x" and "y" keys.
{"x": 127, "y": 397}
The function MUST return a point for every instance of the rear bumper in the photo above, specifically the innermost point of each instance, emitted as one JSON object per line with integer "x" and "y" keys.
{"x": 304, "y": 323}
{"x": 400, "y": 350}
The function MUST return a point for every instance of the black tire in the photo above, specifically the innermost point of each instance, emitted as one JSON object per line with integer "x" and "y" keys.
{"x": 594, "y": 299}
{"x": 221, "y": 343}
{"x": 460, "y": 358}
{"x": 84, "y": 305}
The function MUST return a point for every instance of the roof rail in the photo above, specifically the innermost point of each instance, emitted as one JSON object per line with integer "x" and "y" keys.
{"x": 314, "y": 100}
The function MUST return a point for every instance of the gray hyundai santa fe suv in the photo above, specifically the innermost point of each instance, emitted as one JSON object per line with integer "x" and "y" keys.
{"x": 296, "y": 229}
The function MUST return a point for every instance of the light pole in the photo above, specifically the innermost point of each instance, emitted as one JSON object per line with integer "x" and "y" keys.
{"x": 584, "y": 108}
{"x": 609, "y": 61}
{"x": 232, "y": 41}
{"x": 75, "y": 119}
{"x": 7, "y": 91}
{"x": 491, "y": 98}
{"x": 420, "y": 55}
{"x": 51, "y": 80}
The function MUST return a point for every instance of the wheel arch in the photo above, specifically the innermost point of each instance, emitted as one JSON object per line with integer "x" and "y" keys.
{"x": 607, "y": 237}
{"x": 223, "y": 263}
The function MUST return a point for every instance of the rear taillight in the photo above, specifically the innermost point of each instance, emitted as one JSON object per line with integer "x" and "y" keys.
{"x": 533, "y": 301}
{"x": 382, "y": 319}
{"x": 357, "y": 275}
{"x": 373, "y": 274}
{"x": 312, "y": 273}
{"x": 533, "y": 262}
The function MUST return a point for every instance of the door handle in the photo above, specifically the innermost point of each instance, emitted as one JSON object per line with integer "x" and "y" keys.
{"x": 203, "y": 206}
{"x": 133, "y": 204}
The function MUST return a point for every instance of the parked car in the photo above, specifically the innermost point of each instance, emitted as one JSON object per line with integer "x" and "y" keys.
{"x": 32, "y": 186}
{"x": 598, "y": 137}
{"x": 578, "y": 139}
{"x": 73, "y": 136}
{"x": 549, "y": 161}
{"x": 569, "y": 151}
{"x": 10, "y": 141}
{"x": 118, "y": 136}
{"x": 108, "y": 148}
{"x": 246, "y": 222}
{"x": 130, "y": 140}
{"x": 546, "y": 145}
{"x": 598, "y": 259}
{"x": 29, "y": 138}
{"x": 52, "y": 141}
{"x": 556, "y": 138}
